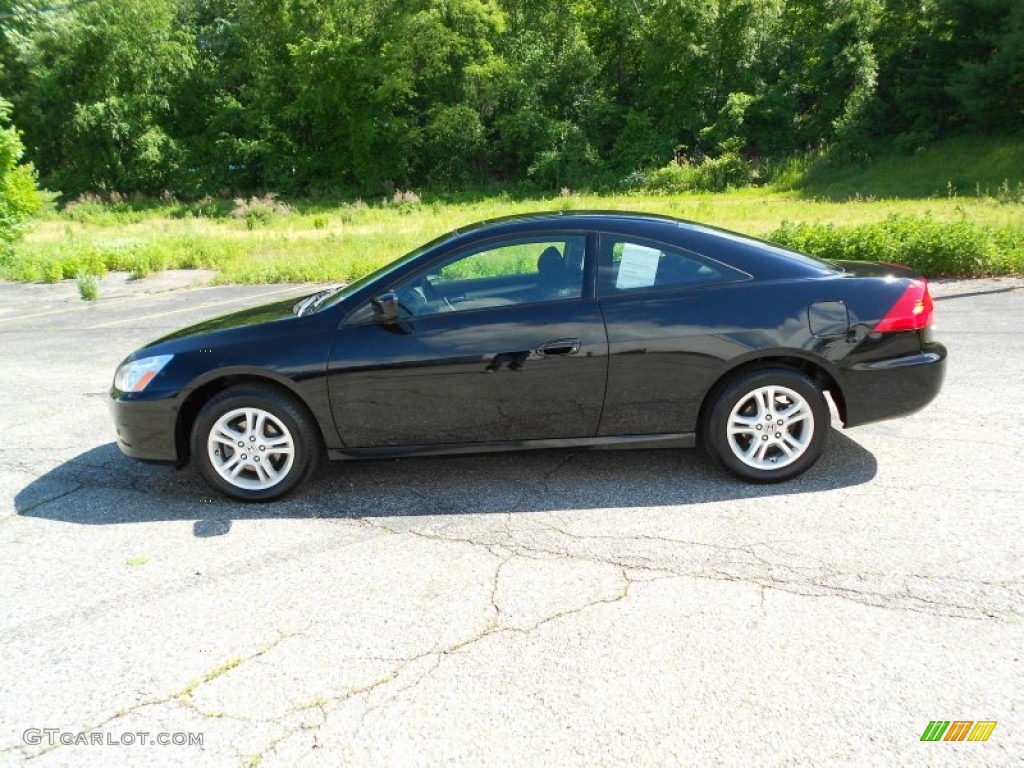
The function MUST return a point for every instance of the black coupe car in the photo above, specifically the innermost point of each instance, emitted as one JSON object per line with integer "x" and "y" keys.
{"x": 552, "y": 330}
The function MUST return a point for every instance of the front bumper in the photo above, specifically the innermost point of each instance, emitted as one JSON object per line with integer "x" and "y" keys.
{"x": 884, "y": 389}
{"x": 145, "y": 428}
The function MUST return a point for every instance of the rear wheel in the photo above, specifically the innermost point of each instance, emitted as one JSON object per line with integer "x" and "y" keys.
{"x": 254, "y": 443}
{"x": 767, "y": 425}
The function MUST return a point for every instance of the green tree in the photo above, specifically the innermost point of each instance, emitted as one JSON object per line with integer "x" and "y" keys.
{"x": 19, "y": 198}
{"x": 295, "y": 96}
{"x": 950, "y": 64}
{"x": 913, "y": 73}
{"x": 395, "y": 91}
{"x": 95, "y": 81}
{"x": 820, "y": 74}
{"x": 988, "y": 41}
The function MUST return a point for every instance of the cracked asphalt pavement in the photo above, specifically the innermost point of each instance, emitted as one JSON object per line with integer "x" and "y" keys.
{"x": 556, "y": 608}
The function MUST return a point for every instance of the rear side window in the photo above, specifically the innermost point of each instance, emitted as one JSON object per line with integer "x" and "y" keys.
{"x": 628, "y": 266}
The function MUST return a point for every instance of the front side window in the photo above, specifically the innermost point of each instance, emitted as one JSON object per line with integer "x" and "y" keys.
{"x": 498, "y": 274}
{"x": 628, "y": 266}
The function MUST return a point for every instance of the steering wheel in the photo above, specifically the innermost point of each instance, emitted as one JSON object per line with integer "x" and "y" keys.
{"x": 411, "y": 300}
{"x": 422, "y": 297}
{"x": 429, "y": 290}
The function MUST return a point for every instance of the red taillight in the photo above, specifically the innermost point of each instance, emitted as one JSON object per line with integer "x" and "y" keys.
{"x": 912, "y": 312}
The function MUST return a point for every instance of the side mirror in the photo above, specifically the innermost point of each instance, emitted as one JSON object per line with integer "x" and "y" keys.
{"x": 386, "y": 306}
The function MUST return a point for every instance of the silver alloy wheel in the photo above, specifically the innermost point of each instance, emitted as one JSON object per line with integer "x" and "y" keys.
{"x": 251, "y": 448}
{"x": 770, "y": 427}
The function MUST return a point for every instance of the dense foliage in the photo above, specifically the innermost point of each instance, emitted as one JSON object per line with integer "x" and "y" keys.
{"x": 308, "y": 96}
{"x": 931, "y": 247}
{"x": 18, "y": 196}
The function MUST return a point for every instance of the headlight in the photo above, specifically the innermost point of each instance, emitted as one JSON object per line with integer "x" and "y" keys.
{"x": 136, "y": 375}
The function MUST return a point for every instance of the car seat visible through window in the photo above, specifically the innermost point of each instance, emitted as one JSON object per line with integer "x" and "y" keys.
{"x": 551, "y": 277}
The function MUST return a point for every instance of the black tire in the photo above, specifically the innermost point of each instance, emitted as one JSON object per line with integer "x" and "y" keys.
{"x": 285, "y": 420}
{"x": 794, "y": 445}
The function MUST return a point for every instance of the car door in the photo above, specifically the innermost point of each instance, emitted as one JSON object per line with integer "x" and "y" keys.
{"x": 500, "y": 341}
{"x": 669, "y": 314}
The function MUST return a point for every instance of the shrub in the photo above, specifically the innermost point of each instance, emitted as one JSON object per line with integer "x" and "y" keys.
{"x": 933, "y": 248}
{"x": 138, "y": 256}
{"x": 351, "y": 211}
{"x": 19, "y": 197}
{"x": 706, "y": 174}
{"x": 406, "y": 202}
{"x": 52, "y": 272}
{"x": 205, "y": 207}
{"x": 728, "y": 170}
{"x": 456, "y": 143}
{"x": 674, "y": 178}
{"x": 569, "y": 160}
{"x": 787, "y": 172}
{"x": 640, "y": 145}
{"x": 113, "y": 207}
{"x": 521, "y": 136}
{"x": 635, "y": 181}
{"x": 259, "y": 210}
{"x": 408, "y": 197}
{"x": 88, "y": 286}
{"x": 1008, "y": 195}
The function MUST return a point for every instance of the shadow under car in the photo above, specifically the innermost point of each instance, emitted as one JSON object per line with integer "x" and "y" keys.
{"x": 102, "y": 487}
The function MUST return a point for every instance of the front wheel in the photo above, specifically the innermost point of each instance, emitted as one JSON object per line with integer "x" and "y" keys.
{"x": 254, "y": 443}
{"x": 768, "y": 425}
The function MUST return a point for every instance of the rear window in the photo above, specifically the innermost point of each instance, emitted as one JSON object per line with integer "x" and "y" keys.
{"x": 763, "y": 246}
{"x": 629, "y": 266}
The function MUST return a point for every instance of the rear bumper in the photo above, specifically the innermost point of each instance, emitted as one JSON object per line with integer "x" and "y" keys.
{"x": 884, "y": 389}
{"x": 145, "y": 428}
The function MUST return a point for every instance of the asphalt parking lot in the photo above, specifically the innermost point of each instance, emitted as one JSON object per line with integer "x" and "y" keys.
{"x": 557, "y": 608}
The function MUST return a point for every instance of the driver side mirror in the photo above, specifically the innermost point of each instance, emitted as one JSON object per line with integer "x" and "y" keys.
{"x": 386, "y": 306}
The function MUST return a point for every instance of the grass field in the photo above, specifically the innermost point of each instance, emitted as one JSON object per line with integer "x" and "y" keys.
{"x": 967, "y": 166}
{"x": 328, "y": 242}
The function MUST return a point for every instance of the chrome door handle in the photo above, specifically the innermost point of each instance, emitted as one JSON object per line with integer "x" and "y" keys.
{"x": 559, "y": 347}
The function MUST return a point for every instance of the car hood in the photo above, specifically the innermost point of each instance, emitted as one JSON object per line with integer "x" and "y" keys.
{"x": 278, "y": 311}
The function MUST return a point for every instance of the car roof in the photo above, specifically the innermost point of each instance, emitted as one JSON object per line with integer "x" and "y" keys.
{"x": 758, "y": 258}
{"x": 556, "y": 217}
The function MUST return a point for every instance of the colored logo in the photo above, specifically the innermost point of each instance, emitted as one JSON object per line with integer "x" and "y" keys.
{"x": 958, "y": 730}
